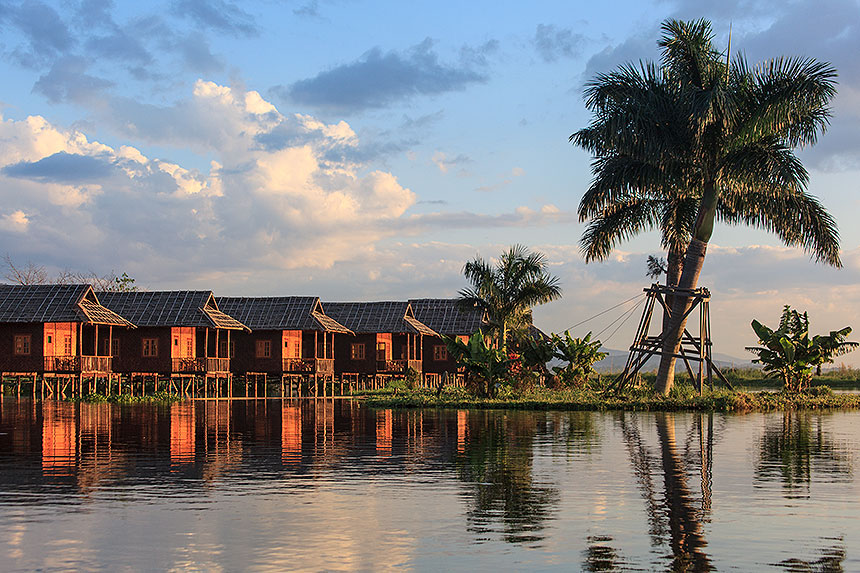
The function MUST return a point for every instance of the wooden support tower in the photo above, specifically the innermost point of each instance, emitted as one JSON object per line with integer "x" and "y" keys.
{"x": 694, "y": 349}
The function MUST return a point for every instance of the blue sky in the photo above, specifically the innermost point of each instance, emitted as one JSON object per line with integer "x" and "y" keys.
{"x": 366, "y": 150}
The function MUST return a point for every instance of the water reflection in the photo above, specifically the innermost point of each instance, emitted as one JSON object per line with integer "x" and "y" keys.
{"x": 284, "y": 482}
{"x": 497, "y": 464}
{"x": 795, "y": 447}
{"x": 675, "y": 514}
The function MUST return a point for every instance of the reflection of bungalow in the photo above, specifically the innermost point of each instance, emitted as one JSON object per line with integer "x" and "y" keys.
{"x": 291, "y": 336}
{"x": 180, "y": 333}
{"x": 56, "y": 330}
{"x": 447, "y": 317}
{"x": 388, "y": 338}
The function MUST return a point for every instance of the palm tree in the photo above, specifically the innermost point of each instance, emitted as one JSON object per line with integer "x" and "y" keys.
{"x": 717, "y": 139}
{"x": 509, "y": 289}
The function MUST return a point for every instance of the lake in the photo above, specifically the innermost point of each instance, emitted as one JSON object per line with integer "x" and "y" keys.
{"x": 331, "y": 484}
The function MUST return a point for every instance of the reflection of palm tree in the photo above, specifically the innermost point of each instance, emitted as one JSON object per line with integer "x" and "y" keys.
{"x": 688, "y": 542}
{"x": 795, "y": 447}
{"x": 674, "y": 515}
{"x": 497, "y": 463}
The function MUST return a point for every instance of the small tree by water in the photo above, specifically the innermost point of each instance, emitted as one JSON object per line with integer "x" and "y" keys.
{"x": 790, "y": 352}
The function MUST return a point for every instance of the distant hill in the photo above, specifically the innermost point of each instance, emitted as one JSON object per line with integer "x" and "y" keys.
{"x": 616, "y": 360}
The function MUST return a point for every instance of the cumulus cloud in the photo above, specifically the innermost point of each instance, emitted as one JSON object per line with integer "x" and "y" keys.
{"x": 274, "y": 196}
{"x": 15, "y": 222}
{"x": 378, "y": 79}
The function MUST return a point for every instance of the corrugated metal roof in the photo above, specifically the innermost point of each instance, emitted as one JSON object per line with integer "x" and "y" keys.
{"x": 170, "y": 308}
{"x": 55, "y": 303}
{"x": 377, "y": 317}
{"x": 448, "y": 316}
{"x": 281, "y": 313}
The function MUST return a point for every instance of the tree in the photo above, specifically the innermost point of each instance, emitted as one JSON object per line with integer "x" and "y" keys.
{"x": 716, "y": 138}
{"x": 509, "y": 289}
{"x": 33, "y": 274}
{"x": 790, "y": 351}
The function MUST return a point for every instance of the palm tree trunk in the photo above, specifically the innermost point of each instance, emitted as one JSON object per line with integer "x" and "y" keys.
{"x": 694, "y": 260}
{"x": 693, "y": 263}
{"x": 674, "y": 265}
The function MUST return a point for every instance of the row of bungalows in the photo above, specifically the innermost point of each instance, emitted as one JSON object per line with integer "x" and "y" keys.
{"x": 71, "y": 330}
{"x": 178, "y": 334}
{"x": 387, "y": 341}
{"x": 59, "y": 331}
{"x": 291, "y": 338}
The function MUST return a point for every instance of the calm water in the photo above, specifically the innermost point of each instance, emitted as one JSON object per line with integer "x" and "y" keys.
{"x": 270, "y": 485}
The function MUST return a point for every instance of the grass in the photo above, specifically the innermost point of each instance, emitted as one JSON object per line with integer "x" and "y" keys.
{"x": 682, "y": 397}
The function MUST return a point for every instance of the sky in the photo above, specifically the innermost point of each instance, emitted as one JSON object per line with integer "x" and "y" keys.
{"x": 366, "y": 150}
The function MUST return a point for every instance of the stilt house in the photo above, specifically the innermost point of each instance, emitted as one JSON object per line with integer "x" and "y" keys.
{"x": 388, "y": 338}
{"x": 57, "y": 330}
{"x": 180, "y": 333}
{"x": 290, "y": 336}
{"x": 447, "y": 317}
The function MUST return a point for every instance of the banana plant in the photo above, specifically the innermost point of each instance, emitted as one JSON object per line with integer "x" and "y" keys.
{"x": 485, "y": 366}
{"x": 580, "y": 355}
{"x": 790, "y": 352}
{"x": 535, "y": 353}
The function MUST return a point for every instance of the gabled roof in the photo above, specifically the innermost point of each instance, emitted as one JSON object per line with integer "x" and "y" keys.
{"x": 281, "y": 313}
{"x": 196, "y": 308}
{"x": 377, "y": 317}
{"x": 55, "y": 303}
{"x": 447, "y": 316}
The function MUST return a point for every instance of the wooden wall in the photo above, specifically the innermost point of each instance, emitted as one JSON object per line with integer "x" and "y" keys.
{"x": 9, "y": 362}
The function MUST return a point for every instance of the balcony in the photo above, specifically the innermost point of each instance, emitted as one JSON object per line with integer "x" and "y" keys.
{"x": 83, "y": 364}
{"x": 309, "y": 365}
{"x": 397, "y": 366}
{"x": 219, "y": 365}
{"x": 188, "y": 365}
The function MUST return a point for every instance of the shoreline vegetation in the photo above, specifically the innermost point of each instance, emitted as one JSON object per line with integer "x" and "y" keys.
{"x": 683, "y": 397}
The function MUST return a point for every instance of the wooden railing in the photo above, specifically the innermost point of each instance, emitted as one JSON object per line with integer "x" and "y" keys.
{"x": 188, "y": 365}
{"x": 315, "y": 365}
{"x": 397, "y": 366}
{"x": 96, "y": 364}
{"x": 217, "y": 365}
{"x": 78, "y": 364}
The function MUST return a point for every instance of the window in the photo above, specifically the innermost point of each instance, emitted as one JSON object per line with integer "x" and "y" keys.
{"x": 440, "y": 352}
{"x": 150, "y": 347}
{"x": 223, "y": 351}
{"x": 114, "y": 347}
{"x": 22, "y": 344}
{"x": 49, "y": 339}
{"x": 356, "y": 351}
{"x": 264, "y": 349}
{"x": 67, "y": 345}
{"x": 189, "y": 348}
{"x": 380, "y": 351}
{"x": 106, "y": 347}
{"x": 232, "y": 349}
{"x": 175, "y": 341}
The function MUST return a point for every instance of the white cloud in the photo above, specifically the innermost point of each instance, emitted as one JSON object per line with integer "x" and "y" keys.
{"x": 272, "y": 196}
{"x": 15, "y": 222}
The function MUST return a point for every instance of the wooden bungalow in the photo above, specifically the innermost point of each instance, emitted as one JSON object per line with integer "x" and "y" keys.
{"x": 388, "y": 339}
{"x": 180, "y": 334}
{"x": 57, "y": 331}
{"x": 447, "y": 317}
{"x": 291, "y": 338}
